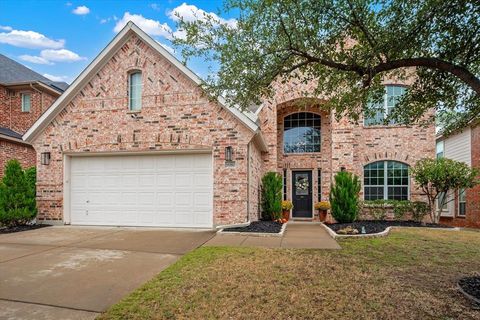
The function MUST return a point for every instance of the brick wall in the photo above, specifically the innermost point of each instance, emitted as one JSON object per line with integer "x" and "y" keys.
{"x": 11, "y": 150}
{"x": 472, "y": 217}
{"x": 175, "y": 115}
{"x": 11, "y": 108}
{"x": 256, "y": 173}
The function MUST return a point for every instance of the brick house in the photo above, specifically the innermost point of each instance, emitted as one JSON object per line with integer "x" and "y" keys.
{"x": 24, "y": 96}
{"x": 135, "y": 141}
{"x": 463, "y": 208}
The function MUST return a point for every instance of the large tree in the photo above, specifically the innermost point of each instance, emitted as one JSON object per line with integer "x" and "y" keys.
{"x": 350, "y": 46}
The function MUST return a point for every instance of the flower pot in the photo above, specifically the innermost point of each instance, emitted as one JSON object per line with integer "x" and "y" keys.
{"x": 286, "y": 214}
{"x": 322, "y": 215}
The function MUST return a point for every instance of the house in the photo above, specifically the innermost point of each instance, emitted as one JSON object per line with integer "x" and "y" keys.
{"x": 24, "y": 96}
{"x": 463, "y": 207}
{"x": 134, "y": 141}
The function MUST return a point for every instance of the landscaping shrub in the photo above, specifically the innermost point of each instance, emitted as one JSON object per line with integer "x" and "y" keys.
{"x": 17, "y": 195}
{"x": 377, "y": 209}
{"x": 401, "y": 208}
{"x": 272, "y": 186}
{"x": 344, "y": 197}
{"x": 419, "y": 210}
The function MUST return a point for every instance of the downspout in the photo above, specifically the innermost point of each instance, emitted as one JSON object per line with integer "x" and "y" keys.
{"x": 41, "y": 95}
{"x": 248, "y": 182}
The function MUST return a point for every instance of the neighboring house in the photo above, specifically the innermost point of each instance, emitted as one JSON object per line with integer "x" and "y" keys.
{"x": 135, "y": 141}
{"x": 24, "y": 96}
{"x": 463, "y": 207}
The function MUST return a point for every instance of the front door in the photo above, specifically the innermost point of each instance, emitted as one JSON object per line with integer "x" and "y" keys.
{"x": 302, "y": 194}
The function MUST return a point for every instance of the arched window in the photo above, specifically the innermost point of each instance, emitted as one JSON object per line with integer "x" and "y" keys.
{"x": 135, "y": 91}
{"x": 387, "y": 180}
{"x": 301, "y": 133}
{"x": 393, "y": 93}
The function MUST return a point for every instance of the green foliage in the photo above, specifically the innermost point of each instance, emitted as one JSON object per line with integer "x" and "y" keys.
{"x": 400, "y": 209}
{"x": 286, "y": 40}
{"x": 419, "y": 210}
{"x": 437, "y": 176}
{"x": 272, "y": 185}
{"x": 17, "y": 195}
{"x": 344, "y": 197}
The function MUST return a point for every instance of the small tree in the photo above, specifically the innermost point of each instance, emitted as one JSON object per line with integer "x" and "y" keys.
{"x": 344, "y": 197}
{"x": 17, "y": 195}
{"x": 441, "y": 176}
{"x": 272, "y": 184}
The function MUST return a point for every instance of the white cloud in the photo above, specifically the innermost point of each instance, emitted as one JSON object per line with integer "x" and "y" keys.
{"x": 155, "y": 6}
{"x": 103, "y": 21}
{"x": 62, "y": 55}
{"x": 55, "y": 78}
{"x": 6, "y": 28}
{"x": 35, "y": 59}
{"x": 29, "y": 39}
{"x": 152, "y": 27}
{"x": 81, "y": 10}
{"x": 191, "y": 13}
{"x": 48, "y": 56}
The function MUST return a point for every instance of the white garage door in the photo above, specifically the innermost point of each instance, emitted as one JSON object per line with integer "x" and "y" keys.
{"x": 142, "y": 190}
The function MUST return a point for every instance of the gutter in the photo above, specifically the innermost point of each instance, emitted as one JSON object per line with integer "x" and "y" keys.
{"x": 17, "y": 140}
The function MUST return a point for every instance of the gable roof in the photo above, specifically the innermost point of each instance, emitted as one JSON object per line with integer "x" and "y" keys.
{"x": 12, "y": 72}
{"x": 246, "y": 118}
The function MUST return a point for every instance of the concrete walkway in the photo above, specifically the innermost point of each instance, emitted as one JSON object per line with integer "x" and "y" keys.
{"x": 297, "y": 236}
{"x": 78, "y": 272}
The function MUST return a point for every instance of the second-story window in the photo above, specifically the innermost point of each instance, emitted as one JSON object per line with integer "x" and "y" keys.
{"x": 135, "y": 91}
{"x": 26, "y": 102}
{"x": 301, "y": 133}
{"x": 384, "y": 108}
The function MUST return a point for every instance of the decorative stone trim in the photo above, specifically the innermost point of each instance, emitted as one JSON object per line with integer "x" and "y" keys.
{"x": 254, "y": 234}
{"x": 384, "y": 233}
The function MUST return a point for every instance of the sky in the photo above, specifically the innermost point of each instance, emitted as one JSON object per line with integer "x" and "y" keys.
{"x": 58, "y": 39}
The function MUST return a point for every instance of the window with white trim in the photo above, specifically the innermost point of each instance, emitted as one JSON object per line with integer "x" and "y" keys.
{"x": 135, "y": 91}
{"x": 26, "y": 102}
{"x": 388, "y": 180}
{"x": 440, "y": 149}
{"x": 462, "y": 203}
{"x": 393, "y": 93}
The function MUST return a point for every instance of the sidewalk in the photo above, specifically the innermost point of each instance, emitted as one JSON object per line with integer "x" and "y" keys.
{"x": 297, "y": 236}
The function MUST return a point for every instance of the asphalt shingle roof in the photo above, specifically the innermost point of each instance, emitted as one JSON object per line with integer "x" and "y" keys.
{"x": 13, "y": 72}
{"x": 10, "y": 133}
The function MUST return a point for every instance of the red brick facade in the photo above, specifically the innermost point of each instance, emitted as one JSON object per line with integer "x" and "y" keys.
{"x": 12, "y": 117}
{"x": 176, "y": 115}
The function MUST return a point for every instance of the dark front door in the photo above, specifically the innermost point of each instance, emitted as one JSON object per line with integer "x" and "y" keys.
{"x": 302, "y": 194}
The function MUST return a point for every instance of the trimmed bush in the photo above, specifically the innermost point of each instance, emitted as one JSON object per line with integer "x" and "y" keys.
{"x": 17, "y": 195}
{"x": 272, "y": 185}
{"x": 344, "y": 197}
{"x": 419, "y": 210}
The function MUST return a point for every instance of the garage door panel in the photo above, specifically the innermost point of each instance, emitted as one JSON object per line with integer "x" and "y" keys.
{"x": 157, "y": 190}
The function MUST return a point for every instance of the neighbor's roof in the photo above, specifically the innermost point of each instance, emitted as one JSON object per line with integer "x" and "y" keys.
{"x": 247, "y": 118}
{"x": 12, "y": 72}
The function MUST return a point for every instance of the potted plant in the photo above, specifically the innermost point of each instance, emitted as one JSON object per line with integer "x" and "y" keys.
{"x": 287, "y": 205}
{"x": 322, "y": 207}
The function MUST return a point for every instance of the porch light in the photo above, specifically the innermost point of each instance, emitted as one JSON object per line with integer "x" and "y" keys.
{"x": 228, "y": 154}
{"x": 45, "y": 158}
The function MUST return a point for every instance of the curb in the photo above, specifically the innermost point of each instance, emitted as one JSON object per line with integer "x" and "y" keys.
{"x": 384, "y": 233}
{"x": 254, "y": 234}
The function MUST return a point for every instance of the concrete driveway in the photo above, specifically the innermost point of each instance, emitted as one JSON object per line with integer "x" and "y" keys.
{"x": 77, "y": 272}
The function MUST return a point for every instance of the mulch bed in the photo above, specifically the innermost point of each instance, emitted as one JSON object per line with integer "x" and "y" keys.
{"x": 23, "y": 228}
{"x": 258, "y": 226}
{"x": 376, "y": 226}
{"x": 471, "y": 285}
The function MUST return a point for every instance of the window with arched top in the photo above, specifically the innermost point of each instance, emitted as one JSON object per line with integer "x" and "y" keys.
{"x": 135, "y": 91}
{"x": 301, "y": 133}
{"x": 388, "y": 180}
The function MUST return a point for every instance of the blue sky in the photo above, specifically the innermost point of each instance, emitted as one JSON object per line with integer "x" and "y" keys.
{"x": 59, "y": 38}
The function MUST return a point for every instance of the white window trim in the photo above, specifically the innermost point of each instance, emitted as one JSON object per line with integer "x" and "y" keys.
{"x": 22, "y": 95}
{"x": 385, "y": 108}
{"x": 130, "y": 74}
{"x": 385, "y": 179}
{"x": 458, "y": 205}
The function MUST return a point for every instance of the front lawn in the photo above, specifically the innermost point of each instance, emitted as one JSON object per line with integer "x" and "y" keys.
{"x": 411, "y": 274}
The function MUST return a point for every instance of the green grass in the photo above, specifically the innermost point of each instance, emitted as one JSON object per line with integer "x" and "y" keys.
{"x": 411, "y": 274}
